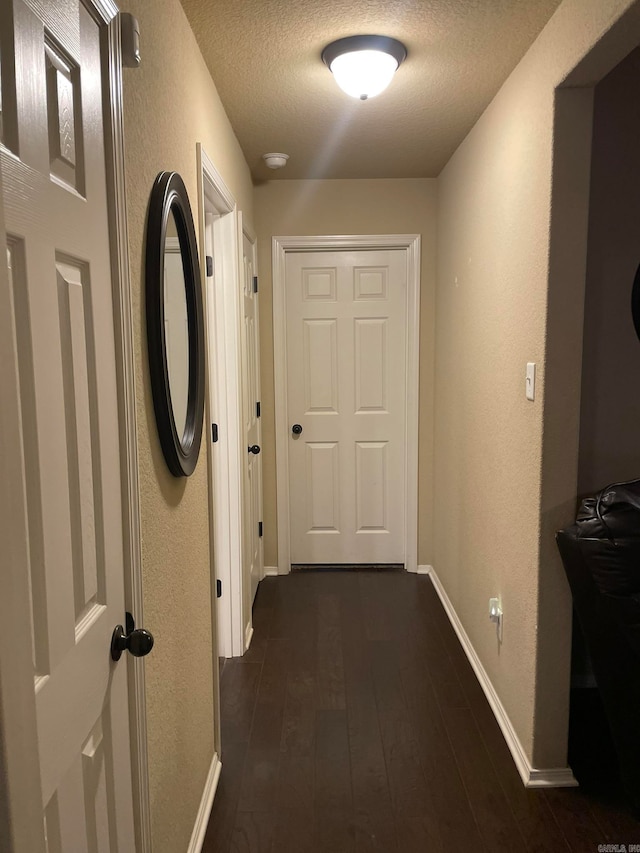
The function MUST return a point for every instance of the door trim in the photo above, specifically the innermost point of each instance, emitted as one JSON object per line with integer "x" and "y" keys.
{"x": 410, "y": 243}
{"x": 125, "y": 352}
{"x": 20, "y": 797}
{"x": 218, "y": 225}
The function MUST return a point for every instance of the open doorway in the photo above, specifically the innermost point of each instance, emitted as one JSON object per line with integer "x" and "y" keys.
{"x": 608, "y": 450}
{"x": 592, "y": 389}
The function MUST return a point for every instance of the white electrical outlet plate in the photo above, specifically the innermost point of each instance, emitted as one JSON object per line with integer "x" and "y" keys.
{"x": 530, "y": 381}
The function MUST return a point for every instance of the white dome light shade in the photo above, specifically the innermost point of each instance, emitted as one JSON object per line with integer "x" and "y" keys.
{"x": 363, "y": 66}
{"x": 364, "y": 73}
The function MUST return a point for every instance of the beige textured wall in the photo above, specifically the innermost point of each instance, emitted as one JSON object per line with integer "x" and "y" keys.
{"x": 380, "y": 206}
{"x": 610, "y": 404}
{"x": 170, "y": 105}
{"x": 506, "y": 468}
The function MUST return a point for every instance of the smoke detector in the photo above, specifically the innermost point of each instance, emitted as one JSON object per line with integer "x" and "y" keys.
{"x": 275, "y": 161}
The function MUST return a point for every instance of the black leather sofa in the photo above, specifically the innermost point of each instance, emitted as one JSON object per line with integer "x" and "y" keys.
{"x": 601, "y": 557}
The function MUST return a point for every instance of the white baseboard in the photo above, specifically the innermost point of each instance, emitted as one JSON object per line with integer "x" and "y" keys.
{"x": 206, "y": 803}
{"x": 551, "y": 777}
{"x": 248, "y": 635}
{"x": 533, "y": 777}
{"x": 271, "y": 571}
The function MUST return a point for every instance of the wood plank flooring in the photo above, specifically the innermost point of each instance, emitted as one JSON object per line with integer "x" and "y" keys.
{"x": 355, "y": 724}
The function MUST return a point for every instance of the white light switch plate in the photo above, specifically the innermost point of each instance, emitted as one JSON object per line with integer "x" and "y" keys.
{"x": 530, "y": 381}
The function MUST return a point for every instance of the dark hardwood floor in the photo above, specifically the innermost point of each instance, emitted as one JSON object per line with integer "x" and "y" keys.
{"x": 355, "y": 723}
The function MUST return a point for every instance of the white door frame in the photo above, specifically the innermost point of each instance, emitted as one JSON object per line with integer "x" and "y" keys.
{"x": 218, "y": 224}
{"x": 20, "y": 793}
{"x": 410, "y": 243}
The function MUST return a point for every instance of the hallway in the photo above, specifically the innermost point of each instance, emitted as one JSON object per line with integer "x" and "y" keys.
{"x": 355, "y": 723}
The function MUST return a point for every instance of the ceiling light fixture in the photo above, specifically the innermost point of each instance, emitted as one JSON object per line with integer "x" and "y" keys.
{"x": 364, "y": 65}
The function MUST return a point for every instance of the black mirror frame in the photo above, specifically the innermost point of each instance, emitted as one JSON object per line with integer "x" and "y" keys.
{"x": 169, "y": 195}
{"x": 635, "y": 302}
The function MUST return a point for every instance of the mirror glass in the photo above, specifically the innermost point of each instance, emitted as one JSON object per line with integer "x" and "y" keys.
{"x": 176, "y": 325}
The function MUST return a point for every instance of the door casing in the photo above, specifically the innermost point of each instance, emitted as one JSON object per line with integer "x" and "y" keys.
{"x": 221, "y": 236}
{"x": 410, "y": 243}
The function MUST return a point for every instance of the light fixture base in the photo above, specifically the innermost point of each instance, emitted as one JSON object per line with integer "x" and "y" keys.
{"x": 385, "y": 44}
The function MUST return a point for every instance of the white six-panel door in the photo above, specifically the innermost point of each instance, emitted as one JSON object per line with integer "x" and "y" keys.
{"x": 55, "y": 201}
{"x": 252, "y": 523}
{"x": 346, "y": 328}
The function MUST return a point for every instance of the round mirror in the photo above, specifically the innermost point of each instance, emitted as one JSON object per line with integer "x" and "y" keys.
{"x": 175, "y": 334}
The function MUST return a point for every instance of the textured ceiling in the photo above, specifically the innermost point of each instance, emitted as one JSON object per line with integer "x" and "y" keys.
{"x": 264, "y": 56}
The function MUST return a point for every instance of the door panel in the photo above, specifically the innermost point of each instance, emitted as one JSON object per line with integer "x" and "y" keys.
{"x": 55, "y": 199}
{"x": 323, "y": 484}
{"x": 371, "y": 360}
{"x": 320, "y": 366}
{"x": 346, "y": 320}
{"x": 372, "y": 486}
{"x": 253, "y": 558}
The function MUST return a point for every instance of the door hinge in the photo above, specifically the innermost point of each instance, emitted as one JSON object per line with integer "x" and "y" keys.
{"x": 209, "y": 265}
{"x": 257, "y": 410}
{"x": 130, "y": 39}
{"x": 260, "y": 528}
{"x": 255, "y": 284}
{"x": 214, "y": 433}
{"x": 218, "y": 589}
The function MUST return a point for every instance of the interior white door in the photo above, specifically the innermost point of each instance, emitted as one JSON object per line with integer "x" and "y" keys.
{"x": 55, "y": 198}
{"x": 252, "y": 424}
{"x": 346, "y": 386}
